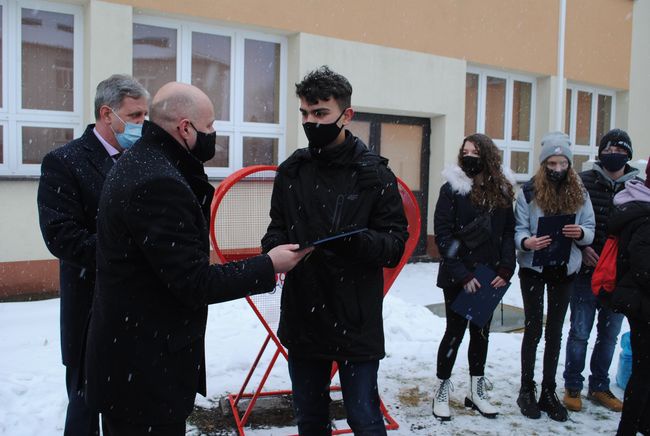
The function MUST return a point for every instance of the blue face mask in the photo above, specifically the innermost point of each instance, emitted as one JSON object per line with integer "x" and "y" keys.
{"x": 132, "y": 132}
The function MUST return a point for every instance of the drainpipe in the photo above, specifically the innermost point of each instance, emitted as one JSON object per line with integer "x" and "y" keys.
{"x": 560, "y": 67}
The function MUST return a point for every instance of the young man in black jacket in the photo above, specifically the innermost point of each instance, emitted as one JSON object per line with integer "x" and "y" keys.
{"x": 332, "y": 302}
{"x": 72, "y": 177}
{"x": 607, "y": 177}
{"x": 145, "y": 354}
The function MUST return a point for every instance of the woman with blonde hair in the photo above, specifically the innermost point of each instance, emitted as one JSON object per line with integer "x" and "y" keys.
{"x": 555, "y": 189}
{"x": 474, "y": 224}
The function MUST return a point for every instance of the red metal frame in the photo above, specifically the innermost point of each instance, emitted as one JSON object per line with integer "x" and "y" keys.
{"x": 412, "y": 212}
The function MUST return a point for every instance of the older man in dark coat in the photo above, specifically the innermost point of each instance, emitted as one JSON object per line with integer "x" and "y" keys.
{"x": 145, "y": 357}
{"x": 71, "y": 181}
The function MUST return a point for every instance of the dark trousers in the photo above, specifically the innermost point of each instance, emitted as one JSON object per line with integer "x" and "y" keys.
{"x": 310, "y": 381}
{"x": 79, "y": 419}
{"x": 558, "y": 294}
{"x": 454, "y": 333}
{"x": 636, "y": 403}
{"x": 116, "y": 427}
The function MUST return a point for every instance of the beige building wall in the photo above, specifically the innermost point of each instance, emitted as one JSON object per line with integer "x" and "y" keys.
{"x": 639, "y": 91}
{"x": 19, "y": 230}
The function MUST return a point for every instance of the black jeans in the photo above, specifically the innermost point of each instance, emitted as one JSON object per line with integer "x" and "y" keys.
{"x": 558, "y": 294}
{"x": 636, "y": 403}
{"x": 116, "y": 427}
{"x": 454, "y": 332}
{"x": 80, "y": 420}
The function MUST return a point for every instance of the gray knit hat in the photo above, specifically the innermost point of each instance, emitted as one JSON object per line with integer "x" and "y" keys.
{"x": 556, "y": 144}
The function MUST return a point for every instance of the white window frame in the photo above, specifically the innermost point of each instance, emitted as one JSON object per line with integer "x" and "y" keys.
{"x": 507, "y": 144}
{"x": 590, "y": 150}
{"x": 12, "y": 116}
{"x": 235, "y": 128}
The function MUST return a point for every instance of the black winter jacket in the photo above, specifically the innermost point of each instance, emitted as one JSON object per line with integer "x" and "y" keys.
{"x": 332, "y": 300}
{"x": 72, "y": 177}
{"x": 454, "y": 210}
{"x": 145, "y": 358}
{"x": 601, "y": 192}
{"x": 631, "y": 223}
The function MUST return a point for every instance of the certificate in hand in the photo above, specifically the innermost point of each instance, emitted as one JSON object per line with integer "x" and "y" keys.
{"x": 479, "y": 306}
{"x": 331, "y": 238}
{"x": 560, "y": 249}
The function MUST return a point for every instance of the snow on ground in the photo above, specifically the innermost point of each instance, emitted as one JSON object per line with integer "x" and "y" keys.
{"x": 32, "y": 387}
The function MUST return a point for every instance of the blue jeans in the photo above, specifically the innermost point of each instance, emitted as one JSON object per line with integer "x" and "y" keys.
{"x": 310, "y": 381}
{"x": 584, "y": 306}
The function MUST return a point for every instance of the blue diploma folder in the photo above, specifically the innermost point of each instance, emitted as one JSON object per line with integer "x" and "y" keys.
{"x": 479, "y": 306}
{"x": 560, "y": 249}
{"x": 331, "y": 238}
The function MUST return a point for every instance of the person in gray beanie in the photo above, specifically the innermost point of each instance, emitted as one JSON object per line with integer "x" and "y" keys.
{"x": 603, "y": 182}
{"x": 554, "y": 190}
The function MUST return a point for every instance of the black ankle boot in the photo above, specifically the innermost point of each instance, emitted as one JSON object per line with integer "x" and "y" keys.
{"x": 550, "y": 403}
{"x": 527, "y": 401}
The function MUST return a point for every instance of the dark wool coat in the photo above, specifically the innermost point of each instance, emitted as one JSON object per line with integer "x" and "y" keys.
{"x": 332, "y": 300}
{"x": 454, "y": 210}
{"x": 145, "y": 358}
{"x": 68, "y": 193}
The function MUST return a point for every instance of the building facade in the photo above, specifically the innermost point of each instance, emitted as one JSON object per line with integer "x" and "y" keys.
{"x": 425, "y": 74}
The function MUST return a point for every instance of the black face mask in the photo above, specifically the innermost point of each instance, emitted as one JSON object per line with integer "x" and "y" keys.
{"x": 613, "y": 162}
{"x": 556, "y": 176}
{"x": 204, "y": 148}
{"x": 319, "y": 135}
{"x": 471, "y": 165}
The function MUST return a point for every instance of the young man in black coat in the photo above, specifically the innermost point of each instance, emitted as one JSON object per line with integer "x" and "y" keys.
{"x": 331, "y": 306}
{"x": 71, "y": 181}
{"x": 607, "y": 177}
{"x": 145, "y": 357}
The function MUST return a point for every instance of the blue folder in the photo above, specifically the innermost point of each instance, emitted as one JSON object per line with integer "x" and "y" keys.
{"x": 331, "y": 238}
{"x": 479, "y": 306}
{"x": 560, "y": 249}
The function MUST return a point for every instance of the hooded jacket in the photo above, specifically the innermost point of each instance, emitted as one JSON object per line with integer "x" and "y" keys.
{"x": 331, "y": 305}
{"x": 454, "y": 211}
{"x": 630, "y": 221}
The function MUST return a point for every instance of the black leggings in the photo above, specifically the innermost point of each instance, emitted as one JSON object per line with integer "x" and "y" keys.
{"x": 532, "y": 291}
{"x": 456, "y": 325}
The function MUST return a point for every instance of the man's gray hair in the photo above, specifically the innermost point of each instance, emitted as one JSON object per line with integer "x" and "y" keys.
{"x": 112, "y": 91}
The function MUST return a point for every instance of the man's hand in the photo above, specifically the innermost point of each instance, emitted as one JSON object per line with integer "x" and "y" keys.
{"x": 589, "y": 256}
{"x": 472, "y": 286}
{"x": 573, "y": 231}
{"x": 285, "y": 257}
{"x": 537, "y": 243}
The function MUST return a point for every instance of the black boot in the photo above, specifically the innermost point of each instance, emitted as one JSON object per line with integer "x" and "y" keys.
{"x": 550, "y": 403}
{"x": 527, "y": 401}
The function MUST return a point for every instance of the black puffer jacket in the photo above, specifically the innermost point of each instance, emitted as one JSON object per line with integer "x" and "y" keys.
{"x": 601, "y": 190}
{"x": 332, "y": 300}
{"x": 454, "y": 210}
{"x": 631, "y": 223}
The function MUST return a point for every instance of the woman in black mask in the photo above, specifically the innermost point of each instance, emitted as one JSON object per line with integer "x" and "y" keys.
{"x": 555, "y": 189}
{"x": 474, "y": 224}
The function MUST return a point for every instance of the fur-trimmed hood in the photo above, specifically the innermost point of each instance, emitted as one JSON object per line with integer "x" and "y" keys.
{"x": 461, "y": 183}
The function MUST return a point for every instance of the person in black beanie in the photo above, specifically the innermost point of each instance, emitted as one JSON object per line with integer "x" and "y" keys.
{"x": 603, "y": 181}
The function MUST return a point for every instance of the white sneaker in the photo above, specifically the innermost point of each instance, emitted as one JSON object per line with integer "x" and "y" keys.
{"x": 478, "y": 398}
{"x": 441, "y": 400}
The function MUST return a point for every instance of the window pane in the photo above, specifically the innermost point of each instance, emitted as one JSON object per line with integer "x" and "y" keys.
{"x": 47, "y": 60}
{"x": 567, "y": 113}
{"x": 261, "y": 82}
{"x": 604, "y": 120}
{"x": 471, "y": 103}
{"x": 521, "y": 103}
{"x": 38, "y": 141}
{"x": 154, "y": 56}
{"x": 583, "y": 119}
{"x": 361, "y": 129}
{"x": 578, "y": 162}
{"x": 401, "y": 144}
{"x": 519, "y": 161}
{"x": 1, "y": 30}
{"x": 220, "y": 158}
{"x": 260, "y": 151}
{"x": 211, "y": 70}
{"x": 495, "y": 107}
